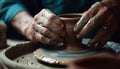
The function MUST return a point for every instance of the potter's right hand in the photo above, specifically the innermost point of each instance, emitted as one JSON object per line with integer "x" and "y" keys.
{"x": 48, "y": 28}
{"x": 102, "y": 15}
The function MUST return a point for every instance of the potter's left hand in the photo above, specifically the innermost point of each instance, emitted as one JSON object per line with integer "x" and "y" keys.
{"x": 102, "y": 14}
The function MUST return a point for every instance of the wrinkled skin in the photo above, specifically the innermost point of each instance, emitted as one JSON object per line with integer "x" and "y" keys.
{"x": 102, "y": 61}
{"x": 101, "y": 14}
{"x": 45, "y": 27}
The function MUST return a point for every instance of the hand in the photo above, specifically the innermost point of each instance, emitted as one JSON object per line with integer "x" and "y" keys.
{"x": 101, "y": 14}
{"x": 96, "y": 62}
{"x": 47, "y": 28}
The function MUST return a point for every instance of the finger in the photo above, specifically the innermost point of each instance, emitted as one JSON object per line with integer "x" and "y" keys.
{"x": 103, "y": 34}
{"x": 111, "y": 29}
{"x": 46, "y": 32}
{"x": 43, "y": 16}
{"x": 103, "y": 30}
{"x": 92, "y": 23}
{"x": 56, "y": 25}
{"x": 40, "y": 38}
{"x": 50, "y": 21}
{"x": 86, "y": 16}
{"x": 45, "y": 13}
{"x": 94, "y": 41}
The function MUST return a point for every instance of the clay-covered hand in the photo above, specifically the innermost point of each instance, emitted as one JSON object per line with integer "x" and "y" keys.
{"x": 96, "y": 62}
{"x": 47, "y": 28}
{"x": 102, "y": 15}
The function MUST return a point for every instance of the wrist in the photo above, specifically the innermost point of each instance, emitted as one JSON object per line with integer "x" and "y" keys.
{"x": 21, "y": 22}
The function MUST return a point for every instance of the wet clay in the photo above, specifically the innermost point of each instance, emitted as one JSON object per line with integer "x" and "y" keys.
{"x": 27, "y": 59}
{"x": 71, "y": 42}
{"x": 72, "y": 48}
{"x": 21, "y": 57}
{"x": 22, "y": 54}
{"x": 60, "y": 57}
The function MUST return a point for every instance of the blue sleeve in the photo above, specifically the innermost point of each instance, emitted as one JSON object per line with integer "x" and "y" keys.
{"x": 9, "y": 8}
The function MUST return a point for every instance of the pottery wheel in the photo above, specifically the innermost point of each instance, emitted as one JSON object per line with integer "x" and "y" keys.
{"x": 73, "y": 46}
{"x": 55, "y": 57}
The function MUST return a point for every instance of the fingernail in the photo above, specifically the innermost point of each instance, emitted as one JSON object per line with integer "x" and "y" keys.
{"x": 75, "y": 28}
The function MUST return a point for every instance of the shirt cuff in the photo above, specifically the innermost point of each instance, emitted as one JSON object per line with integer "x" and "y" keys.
{"x": 13, "y": 10}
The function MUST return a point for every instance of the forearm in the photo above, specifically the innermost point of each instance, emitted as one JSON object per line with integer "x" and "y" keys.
{"x": 9, "y": 8}
{"x": 22, "y": 21}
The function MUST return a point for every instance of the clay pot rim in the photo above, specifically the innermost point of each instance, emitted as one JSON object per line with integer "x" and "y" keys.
{"x": 70, "y": 14}
{"x": 8, "y": 61}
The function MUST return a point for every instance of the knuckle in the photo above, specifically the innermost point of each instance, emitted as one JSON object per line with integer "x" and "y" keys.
{"x": 35, "y": 27}
{"x": 36, "y": 17}
{"x": 49, "y": 23}
{"x": 43, "y": 39}
{"x": 53, "y": 17}
{"x": 97, "y": 3}
{"x": 39, "y": 37}
{"x": 38, "y": 28}
{"x": 45, "y": 31}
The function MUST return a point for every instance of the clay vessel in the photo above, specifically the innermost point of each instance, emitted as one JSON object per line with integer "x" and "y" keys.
{"x": 71, "y": 43}
{"x": 72, "y": 47}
